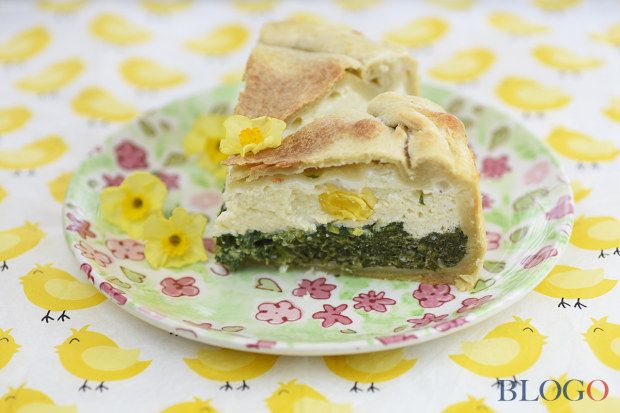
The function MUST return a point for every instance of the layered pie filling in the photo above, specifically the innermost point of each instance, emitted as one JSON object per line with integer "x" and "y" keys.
{"x": 354, "y": 216}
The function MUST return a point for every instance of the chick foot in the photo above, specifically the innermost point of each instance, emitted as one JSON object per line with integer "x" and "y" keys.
{"x": 47, "y": 317}
{"x": 226, "y": 387}
{"x": 617, "y": 251}
{"x": 563, "y": 303}
{"x": 602, "y": 254}
{"x": 4, "y": 266}
{"x": 244, "y": 386}
{"x": 355, "y": 389}
{"x": 84, "y": 386}
{"x": 63, "y": 316}
{"x": 579, "y": 305}
{"x": 372, "y": 388}
{"x": 101, "y": 387}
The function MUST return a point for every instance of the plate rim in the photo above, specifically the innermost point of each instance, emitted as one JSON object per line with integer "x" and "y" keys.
{"x": 367, "y": 344}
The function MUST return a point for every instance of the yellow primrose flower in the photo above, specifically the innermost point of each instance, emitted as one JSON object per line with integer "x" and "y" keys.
{"x": 129, "y": 205}
{"x": 245, "y": 135}
{"x": 204, "y": 140}
{"x": 174, "y": 242}
{"x": 343, "y": 204}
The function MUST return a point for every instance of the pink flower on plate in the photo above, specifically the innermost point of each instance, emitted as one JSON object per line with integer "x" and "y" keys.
{"x": 332, "y": 315}
{"x": 472, "y": 303}
{"x": 170, "y": 180}
{"x": 87, "y": 269}
{"x": 373, "y": 301}
{"x": 495, "y": 167}
{"x": 278, "y": 313}
{"x": 114, "y": 293}
{"x": 115, "y": 180}
{"x": 81, "y": 226}
{"x": 205, "y": 200}
{"x": 433, "y": 295}
{"x": 537, "y": 173}
{"x": 209, "y": 244}
{"x": 487, "y": 201}
{"x": 177, "y": 288}
{"x": 126, "y": 249}
{"x": 448, "y": 325}
{"x": 261, "y": 344}
{"x": 426, "y": 320}
{"x": 493, "y": 240}
{"x": 89, "y": 252}
{"x": 317, "y": 289}
{"x": 130, "y": 155}
{"x": 563, "y": 207}
{"x": 542, "y": 254}
{"x": 397, "y": 338}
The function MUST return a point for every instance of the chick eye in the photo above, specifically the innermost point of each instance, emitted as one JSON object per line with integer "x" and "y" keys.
{"x": 76, "y": 339}
{"x": 4, "y": 338}
{"x": 528, "y": 328}
{"x": 597, "y": 328}
{"x": 282, "y": 391}
{"x": 37, "y": 272}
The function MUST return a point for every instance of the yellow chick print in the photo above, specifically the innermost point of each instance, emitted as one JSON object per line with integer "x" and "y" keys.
{"x": 570, "y": 282}
{"x": 564, "y": 59}
{"x": 572, "y": 402}
{"x": 596, "y": 233}
{"x": 3, "y": 193}
{"x": 420, "y": 32}
{"x": 224, "y": 365}
{"x": 165, "y": 6}
{"x": 255, "y": 6}
{"x": 34, "y": 154}
{"x": 13, "y": 118}
{"x": 610, "y": 36}
{"x": 58, "y": 186}
{"x": 579, "y": 190}
{"x": 26, "y": 400}
{"x": 61, "y": 6}
{"x": 93, "y": 356}
{"x": 53, "y": 289}
{"x": 507, "y": 350}
{"x": 293, "y": 397}
{"x": 514, "y": 24}
{"x": 471, "y": 405}
{"x": 464, "y": 66}
{"x": 580, "y": 147}
{"x": 357, "y": 4}
{"x": 223, "y": 40}
{"x": 148, "y": 74}
{"x": 232, "y": 76}
{"x": 613, "y": 110}
{"x": 24, "y": 45}
{"x": 115, "y": 29}
{"x": 16, "y": 241}
{"x": 603, "y": 338}
{"x": 530, "y": 95}
{"x": 53, "y": 77}
{"x": 370, "y": 367}
{"x": 97, "y": 103}
{"x": 8, "y": 347}
{"x": 555, "y": 5}
{"x": 195, "y": 406}
{"x": 452, "y": 4}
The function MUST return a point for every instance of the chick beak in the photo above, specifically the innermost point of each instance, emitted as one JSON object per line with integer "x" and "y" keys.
{"x": 544, "y": 339}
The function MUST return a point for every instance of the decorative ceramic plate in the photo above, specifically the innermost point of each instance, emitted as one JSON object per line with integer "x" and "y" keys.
{"x": 527, "y": 206}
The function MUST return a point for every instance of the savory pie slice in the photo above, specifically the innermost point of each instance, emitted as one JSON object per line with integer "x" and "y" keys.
{"x": 365, "y": 181}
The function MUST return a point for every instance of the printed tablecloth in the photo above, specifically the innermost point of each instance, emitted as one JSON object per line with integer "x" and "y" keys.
{"x": 71, "y": 71}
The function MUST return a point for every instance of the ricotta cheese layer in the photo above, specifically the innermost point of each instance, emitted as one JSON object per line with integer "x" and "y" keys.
{"x": 280, "y": 202}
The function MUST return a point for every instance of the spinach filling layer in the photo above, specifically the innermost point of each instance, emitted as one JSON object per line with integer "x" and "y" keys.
{"x": 370, "y": 246}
